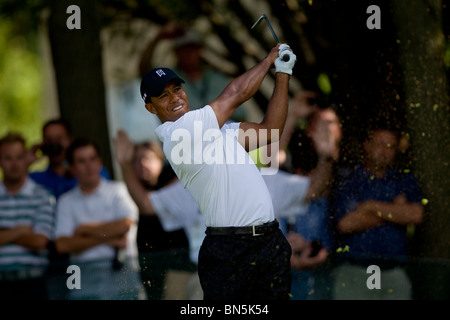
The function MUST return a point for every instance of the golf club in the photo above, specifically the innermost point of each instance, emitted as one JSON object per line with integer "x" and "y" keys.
{"x": 263, "y": 16}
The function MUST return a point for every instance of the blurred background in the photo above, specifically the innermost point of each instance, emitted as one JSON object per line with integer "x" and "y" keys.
{"x": 399, "y": 73}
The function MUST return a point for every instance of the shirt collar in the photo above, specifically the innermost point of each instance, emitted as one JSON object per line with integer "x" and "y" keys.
{"x": 390, "y": 172}
{"x": 26, "y": 190}
{"x": 101, "y": 186}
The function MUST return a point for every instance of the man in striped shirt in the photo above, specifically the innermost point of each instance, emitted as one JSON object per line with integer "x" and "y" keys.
{"x": 26, "y": 225}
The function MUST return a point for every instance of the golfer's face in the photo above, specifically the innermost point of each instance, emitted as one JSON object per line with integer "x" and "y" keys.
{"x": 171, "y": 104}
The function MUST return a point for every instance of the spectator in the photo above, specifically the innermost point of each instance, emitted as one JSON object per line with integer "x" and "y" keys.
{"x": 96, "y": 224}
{"x": 26, "y": 225}
{"x": 307, "y": 111}
{"x": 203, "y": 84}
{"x": 301, "y": 198}
{"x": 174, "y": 207}
{"x": 57, "y": 178}
{"x": 374, "y": 203}
{"x": 159, "y": 250}
{"x": 310, "y": 234}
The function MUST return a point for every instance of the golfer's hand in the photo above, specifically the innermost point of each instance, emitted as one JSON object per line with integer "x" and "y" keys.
{"x": 273, "y": 54}
{"x": 285, "y": 66}
{"x": 124, "y": 148}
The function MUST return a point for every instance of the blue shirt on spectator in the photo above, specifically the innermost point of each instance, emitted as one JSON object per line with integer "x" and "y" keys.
{"x": 388, "y": 241}
{"x": 58, "y": 184}
{"x": 313, "y": 224}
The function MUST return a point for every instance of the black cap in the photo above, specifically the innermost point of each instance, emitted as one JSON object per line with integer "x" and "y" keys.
{"x": 154, "y": 82}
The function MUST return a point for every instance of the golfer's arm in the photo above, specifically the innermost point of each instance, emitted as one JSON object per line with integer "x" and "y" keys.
{"x": 274, "y": 119}
{"x": 241, "y": 89}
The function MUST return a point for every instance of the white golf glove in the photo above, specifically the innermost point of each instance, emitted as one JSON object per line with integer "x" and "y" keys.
{"x": 285, "y": 66}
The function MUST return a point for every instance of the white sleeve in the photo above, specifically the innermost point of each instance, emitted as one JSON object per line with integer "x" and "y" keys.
{"x": 288, "y": 193}
{"x": 232, "y": 126}
{"x": 124, "y": 206}
{"x": 174, "y": 206}
{"x": 295, "y": 194}
{"x": 183, "y": 141}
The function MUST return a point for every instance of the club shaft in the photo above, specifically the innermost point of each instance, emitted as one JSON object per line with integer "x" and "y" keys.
{"x": 263, "y": 16}
{"x": 273, "y": 32}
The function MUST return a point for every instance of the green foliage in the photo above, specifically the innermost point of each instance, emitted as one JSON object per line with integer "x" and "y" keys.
{"x": 20, "y": 85}
{"x": 447, "y": 55}
{"x": 24, "y": 14}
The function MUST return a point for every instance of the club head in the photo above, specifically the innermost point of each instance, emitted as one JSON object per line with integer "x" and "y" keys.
{"x": 285, "y": 57}
{"x": 263, "y": 16}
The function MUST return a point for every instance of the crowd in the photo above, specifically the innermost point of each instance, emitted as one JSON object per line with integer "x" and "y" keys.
{"x": 140, "y": 238}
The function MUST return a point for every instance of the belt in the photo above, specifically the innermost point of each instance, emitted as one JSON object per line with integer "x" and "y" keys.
{"x": 259, "y": 230}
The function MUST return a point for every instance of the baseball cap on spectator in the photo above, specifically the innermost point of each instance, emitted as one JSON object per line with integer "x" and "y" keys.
{"x": 189, "y": 37}
{"x": 154, "y": 82}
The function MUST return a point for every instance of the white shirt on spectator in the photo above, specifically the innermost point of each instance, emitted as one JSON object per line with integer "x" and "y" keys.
{"x": 177, "y": 209}
{"x": 109, "y": 202}
{"x": 288, "y": 193}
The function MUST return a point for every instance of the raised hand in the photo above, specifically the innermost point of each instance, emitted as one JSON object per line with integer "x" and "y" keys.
{"x": 301, "y": 107}
{"x": 124, "y": 148}
{"x": 326, "y": 141}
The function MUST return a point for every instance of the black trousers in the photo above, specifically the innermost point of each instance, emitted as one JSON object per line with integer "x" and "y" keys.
{"x": 245, "y": 267}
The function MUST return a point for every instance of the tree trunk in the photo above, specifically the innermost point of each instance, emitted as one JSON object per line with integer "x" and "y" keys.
{"x": 421, "y": 51}
{"x": 77, "y": 59}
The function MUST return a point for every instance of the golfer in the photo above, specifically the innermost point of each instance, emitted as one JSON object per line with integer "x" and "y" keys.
{"x": 244, "y": 254}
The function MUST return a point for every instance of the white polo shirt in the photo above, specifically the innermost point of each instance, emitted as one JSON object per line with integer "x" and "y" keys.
{"x": 177, "y": 209}
{"x": 288, "y": 193}
{"x": 216, "y": 170}
{"x": 109, "y": 202}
